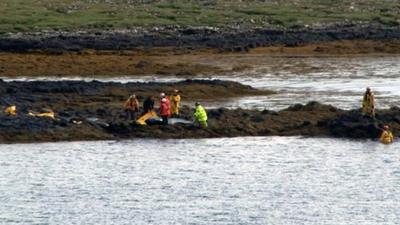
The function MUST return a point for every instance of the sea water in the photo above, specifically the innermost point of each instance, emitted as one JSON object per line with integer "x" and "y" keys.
{"x": 248, "y": 180}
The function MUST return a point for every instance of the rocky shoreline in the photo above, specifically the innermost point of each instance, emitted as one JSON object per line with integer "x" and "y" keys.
{"x": 176, "y": 62}
{"x": 234, "y": 39}
{"x": 182, "y": 51}
{"x": 93, "y": 111}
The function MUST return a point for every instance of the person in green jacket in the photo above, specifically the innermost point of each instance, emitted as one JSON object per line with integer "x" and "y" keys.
{"x": 200, "y": 116}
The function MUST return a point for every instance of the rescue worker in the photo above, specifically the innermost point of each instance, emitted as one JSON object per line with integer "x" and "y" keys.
{"x": 11, "y": 110}
{"x": 175, "y": 101}
{"x": 148, "y": 104}
{"x": 200, "y": 116}
{"x": 162, "y": 96}
{"x": 165, "y": 111}
{"x": 386, "y": 136}
{"x": 131, "y": 107}
{"x": 368, "y": 103}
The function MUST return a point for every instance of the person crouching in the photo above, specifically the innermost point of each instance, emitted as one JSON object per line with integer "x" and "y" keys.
{"x": 200, "y": 116}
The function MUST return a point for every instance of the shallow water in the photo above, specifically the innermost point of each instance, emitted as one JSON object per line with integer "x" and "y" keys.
{"x": 339, "y": 81}
{"x": 272, "y": 180}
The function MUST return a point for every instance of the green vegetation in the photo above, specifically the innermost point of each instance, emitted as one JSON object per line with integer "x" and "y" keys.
{"x": 38, "y": 15}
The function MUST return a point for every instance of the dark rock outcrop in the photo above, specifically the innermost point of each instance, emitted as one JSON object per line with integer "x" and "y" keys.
{"x": 233, "y": 39}
{"x": 93, "y": 111}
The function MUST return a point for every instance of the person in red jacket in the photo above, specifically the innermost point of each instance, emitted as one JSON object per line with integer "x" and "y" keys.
{"x": 165, "y": 111}
{"x": 164, "y": 96}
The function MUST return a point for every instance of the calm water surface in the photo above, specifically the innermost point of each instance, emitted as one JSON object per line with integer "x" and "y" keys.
{"x": 274, "y": 180}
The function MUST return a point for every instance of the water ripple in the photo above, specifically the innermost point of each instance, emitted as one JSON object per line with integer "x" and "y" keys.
{"x": 266, "y": 180}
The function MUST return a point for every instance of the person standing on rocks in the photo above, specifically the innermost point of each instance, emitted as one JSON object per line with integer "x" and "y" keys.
{"x": 165, "y": 111}
{"x": 131, "y": 107}
{"x": 368, "y": 103}
{"x": 200, "y": 116}
{"x": 175, "y": 100}
{"x": 162, "y": 96}
{"x": 148, "y": 104}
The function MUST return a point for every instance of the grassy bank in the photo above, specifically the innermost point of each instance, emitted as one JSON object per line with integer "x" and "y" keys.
{"x": 38, "y": 15}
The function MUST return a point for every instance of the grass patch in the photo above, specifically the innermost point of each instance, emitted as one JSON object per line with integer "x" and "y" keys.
{"x": 38, "y": 15}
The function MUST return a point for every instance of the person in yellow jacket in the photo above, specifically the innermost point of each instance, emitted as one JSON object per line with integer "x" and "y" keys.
{"x": 131, "y": 107}
{"x": 11, "y": 110}
{"x": 386, "y": 136}
{"x": 175, "y": 103}
{"x": 200, "y": 116}
{"x": 368, "y": 103}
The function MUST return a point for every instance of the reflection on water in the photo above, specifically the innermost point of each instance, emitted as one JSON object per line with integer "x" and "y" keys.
{"x": 274, "y": 180}
{"x": 339, "y": 81}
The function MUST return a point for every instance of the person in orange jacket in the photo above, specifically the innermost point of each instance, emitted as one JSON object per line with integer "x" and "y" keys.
{"x": 131, "y": 107}
{"x": 175, "y": 100}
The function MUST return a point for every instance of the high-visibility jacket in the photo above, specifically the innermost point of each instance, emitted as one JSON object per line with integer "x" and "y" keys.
{"x": 164, "y": 109}
{"x": 168, "y": 102}
{"x": 132, "y": 104}
{"x": 200, "y": 114}
{"x": 175, "y": 101}
{"x": 368, "y": 103}
{"x": 386, "y": 137}
{"x": 11, "y": 110}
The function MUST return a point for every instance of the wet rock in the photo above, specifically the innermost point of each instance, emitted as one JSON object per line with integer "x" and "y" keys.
{"x": 3, "y": 88}
{"x": 143, "y": 64}
{"x": 232, "y": 39}
{"x": 82, "y": 113}
{"x": 257, "y": 119}
{"x": 306, "y": 123}
{"x": 265, "y": 112}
